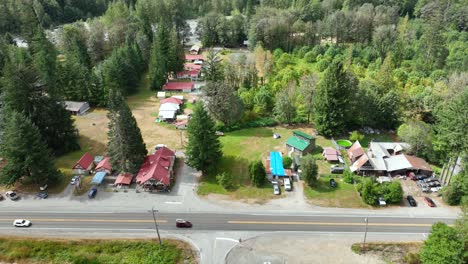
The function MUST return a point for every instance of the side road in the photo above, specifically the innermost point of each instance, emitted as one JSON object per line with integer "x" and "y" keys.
{"x": 183, "y": 198}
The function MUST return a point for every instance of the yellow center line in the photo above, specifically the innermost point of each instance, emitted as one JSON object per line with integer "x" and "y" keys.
{"x": 323, "y": 223}
{"x": 87, "y": 220}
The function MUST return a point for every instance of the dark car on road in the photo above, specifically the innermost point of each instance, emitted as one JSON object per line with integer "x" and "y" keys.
{"x": 429, "y": 202}
{"x": 333, "y": 183}
{"x": 411, "y": 200}
{"x": 92, "y": 193}
{"x": 183, "y": 223}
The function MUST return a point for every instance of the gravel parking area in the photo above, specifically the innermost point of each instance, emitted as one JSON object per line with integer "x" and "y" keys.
{"x": 411, "y": 188}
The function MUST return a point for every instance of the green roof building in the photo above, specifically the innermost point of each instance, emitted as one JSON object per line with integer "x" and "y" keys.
{"x": 300, "y": 143}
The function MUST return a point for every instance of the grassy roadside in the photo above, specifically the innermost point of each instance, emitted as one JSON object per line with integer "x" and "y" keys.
{"x": 344, "y": 195}
{"x": 403, "y": 252}
{"x": 23, "y": 250}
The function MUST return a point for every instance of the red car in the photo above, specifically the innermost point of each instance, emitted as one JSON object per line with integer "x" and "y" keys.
{"x": 183, "y": 223}
{"x": 429, "y": 202}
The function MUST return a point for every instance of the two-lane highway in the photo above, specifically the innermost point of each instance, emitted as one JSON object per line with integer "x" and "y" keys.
{"x": 224, "y": 222}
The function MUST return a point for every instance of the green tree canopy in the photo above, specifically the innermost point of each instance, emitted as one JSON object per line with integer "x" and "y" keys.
{"x": 309, "y": 170}
{"x": 25, "y": 152}
{"x": 257, "y": 173}
{"x": 443, "y": 246}
{"x": 204, "y": 148}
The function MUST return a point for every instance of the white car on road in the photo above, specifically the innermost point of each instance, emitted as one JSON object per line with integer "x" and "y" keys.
{"x": 22, "y": 223}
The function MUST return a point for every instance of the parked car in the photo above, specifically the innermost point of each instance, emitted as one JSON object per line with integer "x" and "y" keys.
{"x": 287, "y": 184}
{"x": 435, "y": 189}
{"x": 429, "y": 202}
{"x": 411, "y": 175}
{"x": 12, "y": 195}
{"x": 421, "y": 177}
{"x": 276, "y": 189}
{"x": 75, "y": 179}
{"x": 337, "y": 169}
{"x": 22, "y": 223}
{"x": 428, "y": 180}
{"x": 411, "y": 201}
{"x": 382, "y": 201}
{"x": 333, "y": 183}
{"x": 92, "y": 193}
{"x": 42, "y": 195}
{"x": 183, "y": 223}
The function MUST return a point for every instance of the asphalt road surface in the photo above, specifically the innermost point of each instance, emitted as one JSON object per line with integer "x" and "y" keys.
{"x": 218, "y": 222}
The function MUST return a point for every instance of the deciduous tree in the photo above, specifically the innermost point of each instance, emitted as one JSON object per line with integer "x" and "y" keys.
{"x": 443, "y": 246}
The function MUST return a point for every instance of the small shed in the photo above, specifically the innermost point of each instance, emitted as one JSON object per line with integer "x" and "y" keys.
{"x": 161, "y": 95}
{"x": 99, "y": 177}
{"x": 124, "y": 179}
{"x": 195, "y": 49}
{"x": 77, "y": 108}
{"x": 331, "y": 154}
{"x": 84, "y": 165}
{"x": 104, "y": 165}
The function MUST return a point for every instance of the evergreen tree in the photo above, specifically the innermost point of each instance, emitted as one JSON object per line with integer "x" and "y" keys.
{"x": 176, "y": 53}
{"x": 159, "y": 68}
{"x": 223, "y": 103}
{"x": 204, "y": 148}
{"x": 44, "y": 59}
{"x": 331, "y": 103}
{"x": 309, "y": 170}
{"x": 73, "y": 43}
{"x": 212, "y": 67}
{"x": 25, "y": 153}
{"x": 74, "y": 80}
{"x": 126, "y": 148}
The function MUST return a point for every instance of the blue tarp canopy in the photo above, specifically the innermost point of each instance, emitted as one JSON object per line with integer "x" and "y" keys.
{"x": 98, "y": 177}
{"x": 276, "y": 164}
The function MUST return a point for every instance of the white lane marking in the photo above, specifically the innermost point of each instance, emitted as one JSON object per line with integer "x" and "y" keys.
{"x": 227, "y": 239}
{"x": 171, "y": 202}
{"x": 345, "y": 215}
{"x": 76, "y": 229}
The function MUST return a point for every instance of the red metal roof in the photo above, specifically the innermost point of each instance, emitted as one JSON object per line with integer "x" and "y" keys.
{"x": 104, "y": 164}
{"x": 194, "y": 57}
{"x": 178, "y": 86}
{"x": 355, "y": 151}
{"x": 192, "y": 66}
{"x": 172, "y": 100}
{"x": 125, "y": 178}
{"x": 191, "y": 73}
{"x": 181, "y": 123}
{"x": 330, "y": 154}
{"x": 85, "y": 162}
{"x": 418, "y": 163}
{"x": 156, "y": 167}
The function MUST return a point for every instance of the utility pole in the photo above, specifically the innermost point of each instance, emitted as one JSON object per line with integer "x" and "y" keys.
{"x": 156, "y": 225}
{"x": 365, "y": 234}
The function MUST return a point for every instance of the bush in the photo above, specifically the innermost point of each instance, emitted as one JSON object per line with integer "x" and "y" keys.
{"x": 393, "y": 193}
{"x": 454, "y": 192}
{"x": 309, "y": 170}
{"x": 287, "y": 162}
{"x": 348, "y": 177}
{"x": 257, "y": 173}
{"x": 412, "y": 258}
{"x": 310, "y": 57}
{"x": 355, "y": 135}
{"x": 443, "y": 246}
{"x": 225, "y": 180}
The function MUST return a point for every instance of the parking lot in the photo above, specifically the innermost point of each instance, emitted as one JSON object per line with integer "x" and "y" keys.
{"x": 411, "y": 187}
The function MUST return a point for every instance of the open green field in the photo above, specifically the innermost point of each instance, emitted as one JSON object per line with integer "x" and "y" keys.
{"x": 22, "y": 250}
{"x": 345, "y": 195}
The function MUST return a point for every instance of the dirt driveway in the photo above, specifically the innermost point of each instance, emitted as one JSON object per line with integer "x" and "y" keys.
{"x": 411, "y": 188}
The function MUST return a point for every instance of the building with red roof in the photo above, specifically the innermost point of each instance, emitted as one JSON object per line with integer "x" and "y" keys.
{"x": 84, "y": 165}
{"x": 331, "y": 154}
{"x": 192, "y": 66}
{"x": 194, "y": 57}
{"x": 188, "y": 74}
{"x": 157, "y": 172}
{"x": 104, "y": 165}
{"x": 124, "y": 179}
{"x": 355, "y": 151}
{"x": 172, "y": 100}
{"x": 178, "y": 86}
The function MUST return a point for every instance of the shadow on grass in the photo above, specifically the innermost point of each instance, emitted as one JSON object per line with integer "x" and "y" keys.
{"x": 253, "y": 132}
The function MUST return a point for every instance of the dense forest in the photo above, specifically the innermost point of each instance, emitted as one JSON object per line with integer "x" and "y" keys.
{"x": 340, "y": 65}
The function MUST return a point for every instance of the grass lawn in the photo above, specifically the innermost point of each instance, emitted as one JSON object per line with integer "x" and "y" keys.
{"x": 239, "y": 149}
{"x": 22, "y": 250}
{"x": 344, "y": 195}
